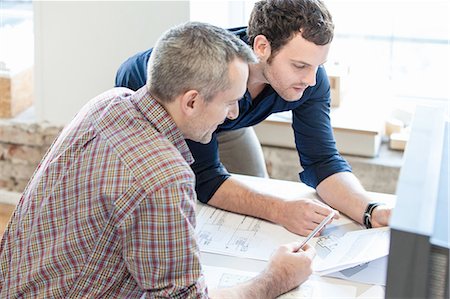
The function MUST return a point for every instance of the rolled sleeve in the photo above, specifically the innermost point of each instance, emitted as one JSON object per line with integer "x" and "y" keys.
{"x": 209, "y": 171}
{"x": 314, "y": 138}
{"x": 159, "y": 244}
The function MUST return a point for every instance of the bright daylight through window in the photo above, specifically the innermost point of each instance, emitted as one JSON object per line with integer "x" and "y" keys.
{"x": 16, "y": 35}
{"x": 16, "y": 57}
{"x": 395, "y": 49}
{"x": 393, "y": 53}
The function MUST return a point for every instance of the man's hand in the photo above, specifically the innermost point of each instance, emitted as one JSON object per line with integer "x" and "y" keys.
{"x": 380, "y": 216}
{"x": 291, "y": 265}
{"x": 301, "y": 216}
{"x": 288, "y": 267}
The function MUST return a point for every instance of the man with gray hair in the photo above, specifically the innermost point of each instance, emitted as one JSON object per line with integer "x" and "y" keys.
{"x": 109, "y": 212}
{"x": 292, "y": 39}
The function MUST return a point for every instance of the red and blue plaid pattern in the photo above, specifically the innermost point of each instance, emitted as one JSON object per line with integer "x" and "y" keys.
{"x": 109, "y": 212}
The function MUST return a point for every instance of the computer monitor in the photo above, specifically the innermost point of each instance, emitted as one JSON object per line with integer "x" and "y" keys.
{"x": 418, "y": 263}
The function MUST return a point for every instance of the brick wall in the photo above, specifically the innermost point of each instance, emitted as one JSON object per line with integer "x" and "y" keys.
{"x": 374, "y": 173}
{"x": 22, "y": 146}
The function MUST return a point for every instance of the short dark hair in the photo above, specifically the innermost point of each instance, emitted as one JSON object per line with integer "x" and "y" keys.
{"x": 280, "y": 20}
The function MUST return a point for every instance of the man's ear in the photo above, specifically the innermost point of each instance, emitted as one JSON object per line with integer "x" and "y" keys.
{"x": 261, "y": 47}
{"x": 190, "y": 102}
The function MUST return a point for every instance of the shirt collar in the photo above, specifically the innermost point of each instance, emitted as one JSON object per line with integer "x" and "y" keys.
{"x": 161, "y": 120}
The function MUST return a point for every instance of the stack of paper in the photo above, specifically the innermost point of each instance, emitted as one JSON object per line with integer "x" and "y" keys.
{"x": 352, "y": 249}
{"x": 340, "y": 247}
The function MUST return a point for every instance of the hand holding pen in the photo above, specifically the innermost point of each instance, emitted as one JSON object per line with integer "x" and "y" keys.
{"x": 317, "y": 229}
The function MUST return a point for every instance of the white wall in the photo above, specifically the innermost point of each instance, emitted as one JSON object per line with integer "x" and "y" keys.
{"x": 79, "y": 45}
{"x": 222, "y": 13}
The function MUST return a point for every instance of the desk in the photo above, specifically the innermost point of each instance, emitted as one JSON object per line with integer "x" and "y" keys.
{"x": 291, "y": 190}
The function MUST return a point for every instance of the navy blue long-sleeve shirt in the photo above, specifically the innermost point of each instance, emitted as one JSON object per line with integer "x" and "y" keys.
{"x": 311, "y": 124}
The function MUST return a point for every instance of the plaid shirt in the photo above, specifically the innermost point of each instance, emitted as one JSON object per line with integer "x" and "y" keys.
{"x": 109, "y": 212}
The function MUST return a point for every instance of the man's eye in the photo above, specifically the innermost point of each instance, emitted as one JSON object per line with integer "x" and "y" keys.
{"x": 300, "y": 66}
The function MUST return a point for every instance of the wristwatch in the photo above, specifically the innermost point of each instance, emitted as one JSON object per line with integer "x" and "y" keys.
{"x": 367, "y": 217}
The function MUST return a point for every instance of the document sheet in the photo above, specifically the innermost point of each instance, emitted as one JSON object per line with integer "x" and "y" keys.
{"x": 232, "y": 234}
{"x": 314, "y": 287}
{"x": 373, "y": 272}
{"x": 343, "y": 244}
{"x": 352, "y": 249}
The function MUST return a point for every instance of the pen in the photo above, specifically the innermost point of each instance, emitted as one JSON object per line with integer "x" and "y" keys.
{"x": 319, "y": 227}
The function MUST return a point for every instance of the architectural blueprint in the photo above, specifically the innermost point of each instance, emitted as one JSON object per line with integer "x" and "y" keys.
{"x": 343, "y": 243}
{"x": 232, "y": 234}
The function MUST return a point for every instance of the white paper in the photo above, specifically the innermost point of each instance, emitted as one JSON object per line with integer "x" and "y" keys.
{"x": 342, "y": 246}
{"x": 219, "y": 277}
{"x": 352, "y": 249}
{"x": 314, "y": 287}
{"x": 232, "y": 234}
{"x": 373, "y": 272}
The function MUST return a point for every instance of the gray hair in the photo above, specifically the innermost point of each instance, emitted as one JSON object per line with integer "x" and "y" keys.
{"x": 194, "y": 56}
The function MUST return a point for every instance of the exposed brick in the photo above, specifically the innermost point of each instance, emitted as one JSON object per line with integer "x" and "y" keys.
{"x": 48, "y": 140}
{"x": 10, "y": 184}
{"x": 20, "y": 185}
{"x": 2, "y": 151}
{"x": 22, "y": 146}
{"x": 17, "y": 171}
{"x": 26, "y": 134}
{"x": 7, "y": 184}
{"x": 24, "y": 154}
{"x": 50, "y": 133}
{"x": 48, "y": 129}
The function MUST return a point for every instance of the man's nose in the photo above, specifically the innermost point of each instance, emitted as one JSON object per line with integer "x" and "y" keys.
{"x": 310, "y": 77}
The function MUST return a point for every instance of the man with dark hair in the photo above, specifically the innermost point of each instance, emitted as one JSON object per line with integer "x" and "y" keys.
{"x": 109, "y": 213}
{"x": 291, "y": 39}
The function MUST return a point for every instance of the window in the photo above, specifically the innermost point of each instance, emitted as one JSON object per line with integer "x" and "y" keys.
{"x": 395, "y": 52}
{"x": 395, "y": 49}
{"x": 16, "y": 35}
{"x": 226, "y": 14}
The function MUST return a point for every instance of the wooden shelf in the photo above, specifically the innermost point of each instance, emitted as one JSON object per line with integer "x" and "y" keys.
{"x": 16, "y": 92}
{"x": 354, "y": 136}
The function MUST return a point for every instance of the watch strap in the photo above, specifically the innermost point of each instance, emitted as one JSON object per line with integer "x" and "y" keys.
{"x": 367, "y": 217}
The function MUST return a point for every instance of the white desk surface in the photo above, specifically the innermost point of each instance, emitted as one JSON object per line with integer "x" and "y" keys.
{"x": 291, "y": 190}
